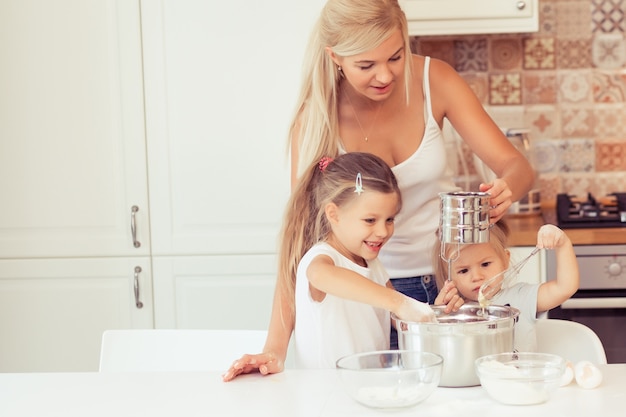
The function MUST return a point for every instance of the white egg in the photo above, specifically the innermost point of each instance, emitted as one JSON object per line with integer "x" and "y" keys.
{"x": 587, "y": 375}
{"x": 568, "y": 375}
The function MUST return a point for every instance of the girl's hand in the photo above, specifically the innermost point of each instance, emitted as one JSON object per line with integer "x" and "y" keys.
{"x": 556, "y": 290}
{"x": 265, "y": 363}
{"x": 415, "y": 311}
{"x": 500, "y": 198}
{"x": 551, "y": 237}
{"x": 449, "y": 296}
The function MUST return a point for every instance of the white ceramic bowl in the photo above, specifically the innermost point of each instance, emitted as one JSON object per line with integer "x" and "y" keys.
{"x": 520, "y": 378}
{"x": 391, "y": 378}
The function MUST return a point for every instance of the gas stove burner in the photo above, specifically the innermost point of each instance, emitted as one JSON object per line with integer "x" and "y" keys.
{"x": 606, "y": 212}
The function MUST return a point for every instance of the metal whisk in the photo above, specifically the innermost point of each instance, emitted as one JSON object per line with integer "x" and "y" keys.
{"x": 494, "y": 285}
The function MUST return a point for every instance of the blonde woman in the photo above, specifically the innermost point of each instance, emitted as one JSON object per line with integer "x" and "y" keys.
{"x": 364, "y": 91}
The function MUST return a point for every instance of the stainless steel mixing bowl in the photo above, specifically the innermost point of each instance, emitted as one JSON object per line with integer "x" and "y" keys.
{"x": 461, "y": 338}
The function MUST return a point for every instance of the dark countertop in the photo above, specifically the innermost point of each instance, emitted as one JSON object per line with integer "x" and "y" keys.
{"x": 524, "y": 231}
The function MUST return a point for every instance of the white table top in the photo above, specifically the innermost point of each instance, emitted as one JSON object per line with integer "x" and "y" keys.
{"x": 293, "y": 393}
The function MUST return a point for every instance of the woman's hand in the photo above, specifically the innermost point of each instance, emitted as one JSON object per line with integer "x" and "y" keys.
{"x": 449, "y": 296}
{"x": 265, "y": 363}
{"x": 500, "y": 198}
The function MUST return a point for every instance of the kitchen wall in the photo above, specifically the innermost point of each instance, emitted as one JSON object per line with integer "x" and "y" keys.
{"x": 565, "y": 83}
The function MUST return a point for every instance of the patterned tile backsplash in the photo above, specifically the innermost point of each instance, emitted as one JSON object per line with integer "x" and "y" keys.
{"x": 566, "y": 84}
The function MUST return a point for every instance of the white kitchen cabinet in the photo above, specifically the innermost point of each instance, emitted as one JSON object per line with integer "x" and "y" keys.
{"x": 220, "y": 85}
{"x": 221, "y": 81}
{"x": 53, "y": 311}
{"x": 454, "y": 17}
{"x": 72, "y": 166}
{"x": 214, "y": 292}
{"x": 72, "y": 148}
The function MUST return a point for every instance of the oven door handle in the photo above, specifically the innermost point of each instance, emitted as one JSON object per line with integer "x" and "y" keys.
{"x": 589, "y": 303}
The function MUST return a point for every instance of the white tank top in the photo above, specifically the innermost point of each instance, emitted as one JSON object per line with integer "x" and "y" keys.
{"x": 421, "y": 178}
{"x": 335, "y": 327}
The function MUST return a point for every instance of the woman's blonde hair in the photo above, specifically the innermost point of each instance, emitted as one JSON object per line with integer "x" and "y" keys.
{"x": 348, "y": 27}
{"x": 498, "y": 239}
{"x": 324, "y": 182}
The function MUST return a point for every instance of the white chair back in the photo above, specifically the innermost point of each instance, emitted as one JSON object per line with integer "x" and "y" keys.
{"x": 569, "y": 339}
{"x": 144, "y": 350}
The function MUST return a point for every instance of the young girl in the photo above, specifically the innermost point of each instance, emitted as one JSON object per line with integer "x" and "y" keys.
{"x": 339, "y": 217}
{"x": 479, "y": 262}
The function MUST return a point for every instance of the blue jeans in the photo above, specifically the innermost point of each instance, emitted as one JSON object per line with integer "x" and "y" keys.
{"x": 422, "y": 288}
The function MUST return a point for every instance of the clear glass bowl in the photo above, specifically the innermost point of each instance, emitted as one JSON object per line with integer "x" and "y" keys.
{"x": 520, "y": 378}
{"x": 391, "y": 378}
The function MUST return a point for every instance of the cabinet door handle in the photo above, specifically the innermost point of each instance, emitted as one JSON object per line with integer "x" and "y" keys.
{"x": 521, "y": 5}
{"x": 138, "y": 303}
{"x": 133, "y": 226}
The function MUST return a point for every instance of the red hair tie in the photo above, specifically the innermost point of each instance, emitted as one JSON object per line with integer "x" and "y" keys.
{"x": 324, "y": 162}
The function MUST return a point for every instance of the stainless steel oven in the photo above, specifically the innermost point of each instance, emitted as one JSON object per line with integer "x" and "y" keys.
{"x": 600, "y": 302}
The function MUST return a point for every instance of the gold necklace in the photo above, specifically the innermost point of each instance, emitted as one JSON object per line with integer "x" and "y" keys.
{"x": 359, "y": 122}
